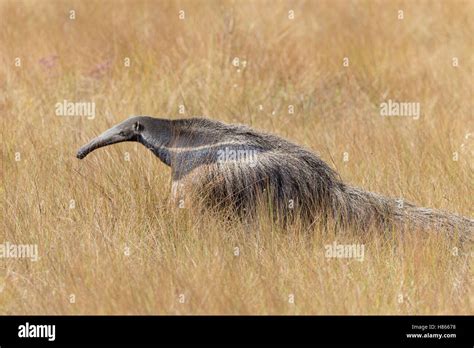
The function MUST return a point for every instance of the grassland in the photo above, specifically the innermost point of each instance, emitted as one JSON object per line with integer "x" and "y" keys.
{"x": 109, "y": 241}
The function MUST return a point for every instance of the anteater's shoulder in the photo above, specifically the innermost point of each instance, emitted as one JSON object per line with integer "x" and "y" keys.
{"x": 235, "y": 132}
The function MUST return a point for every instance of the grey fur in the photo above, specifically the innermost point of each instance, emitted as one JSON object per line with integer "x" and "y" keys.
{"x": 293, "y": 181}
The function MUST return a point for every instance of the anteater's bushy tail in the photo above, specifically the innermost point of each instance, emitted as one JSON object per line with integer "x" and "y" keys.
{"x": 364, "y": 208}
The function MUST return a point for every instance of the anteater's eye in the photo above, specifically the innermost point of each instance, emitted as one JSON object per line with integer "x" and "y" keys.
{"x": 122, "y": 133}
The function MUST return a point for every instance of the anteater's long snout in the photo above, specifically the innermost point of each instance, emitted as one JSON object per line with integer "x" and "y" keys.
{"x": 111, "y": 136}
{"x": 91, "y": 146}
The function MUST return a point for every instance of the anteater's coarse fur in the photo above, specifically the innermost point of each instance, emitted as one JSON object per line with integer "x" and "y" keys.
{"x": 234, "y": 167}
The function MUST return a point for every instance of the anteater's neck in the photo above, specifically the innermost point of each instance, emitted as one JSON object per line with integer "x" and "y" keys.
{"x": 188, "y": 138}
{"x": 158, "y": 137}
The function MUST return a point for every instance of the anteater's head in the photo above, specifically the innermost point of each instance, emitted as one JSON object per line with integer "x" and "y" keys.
{"x": 133, "y": 129}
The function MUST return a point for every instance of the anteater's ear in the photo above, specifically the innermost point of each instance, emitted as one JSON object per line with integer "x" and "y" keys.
{"x": 137, "y": 127}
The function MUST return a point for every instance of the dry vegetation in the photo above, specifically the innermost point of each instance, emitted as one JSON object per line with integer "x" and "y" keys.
{"x": 119, "y": 247}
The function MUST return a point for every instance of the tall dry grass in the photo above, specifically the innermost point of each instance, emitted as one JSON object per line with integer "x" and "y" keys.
{"x": 106, "y": 234}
